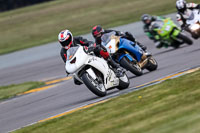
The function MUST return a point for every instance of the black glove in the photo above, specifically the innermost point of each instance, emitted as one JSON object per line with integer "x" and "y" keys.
{"x": 90, "y": 49}
{"x": 142, "y": 46}
{"x": 129, "y": 36}
{"x": 198, "y": 7}
{"x": 119, "y": 33}
{"x": 186, "y": 27}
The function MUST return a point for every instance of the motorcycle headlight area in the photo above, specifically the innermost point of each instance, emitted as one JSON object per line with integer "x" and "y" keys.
{"x": 195, "y": 27}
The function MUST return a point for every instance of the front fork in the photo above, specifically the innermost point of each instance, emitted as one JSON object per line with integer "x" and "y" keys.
{"x": 174, "y": 34}
{"x": 142, "y": 63}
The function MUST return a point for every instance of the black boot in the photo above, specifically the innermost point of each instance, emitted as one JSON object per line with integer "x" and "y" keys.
{"x": 129, "y": 36}
{"x": 142, "y": 46}
{"x": 119, "y": 72}
{"x": 116, "y": 67}
{"x": 77, "y": 82}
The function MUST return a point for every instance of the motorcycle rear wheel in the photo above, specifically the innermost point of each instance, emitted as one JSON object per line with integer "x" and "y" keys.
{"x": 131, "y": 66}
{"x": 185, "y": 38}
{"x": 97, "y": 88}
{"x": 195, "y": 36}
{"x": 123, "y": 82}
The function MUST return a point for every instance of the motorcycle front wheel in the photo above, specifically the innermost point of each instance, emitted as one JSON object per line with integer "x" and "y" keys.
{"x": 131, "y": 66}
{"x": 93, "y": 85}
{"x": 185, "y": 38}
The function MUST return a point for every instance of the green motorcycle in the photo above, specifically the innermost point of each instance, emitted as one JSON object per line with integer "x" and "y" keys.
{"x": 168, "y": 33}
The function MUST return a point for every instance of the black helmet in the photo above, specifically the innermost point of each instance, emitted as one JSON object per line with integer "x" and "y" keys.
{"x": 146, "y": 19}
{"x": 181, "y": 5}
{"x": 96, "y": 31}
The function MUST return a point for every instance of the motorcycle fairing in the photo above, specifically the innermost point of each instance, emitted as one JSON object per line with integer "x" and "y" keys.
{"x": 87, "y": 62}
{"x": 167, "y": 30}
{"x": 102, "y": 66}
{"x": 131, "y": 47}
{"x": 195, "y": 19}
{"x": 175, "y": 33}
{"x": 72, "y": 67}
{"x": 127, "y": 55}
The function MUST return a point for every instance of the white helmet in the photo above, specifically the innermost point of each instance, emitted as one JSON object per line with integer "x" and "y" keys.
{"x": 181, "y": 5}
{"x": 65, "y": 38}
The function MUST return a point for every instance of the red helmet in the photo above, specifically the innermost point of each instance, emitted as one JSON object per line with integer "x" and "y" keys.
{"x": 65, "y": 38}
{"x": 96, "y": 31}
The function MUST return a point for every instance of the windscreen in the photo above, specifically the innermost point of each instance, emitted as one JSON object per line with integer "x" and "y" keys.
{"x": 106, "y": 38}
{"x": 71, "y": 52}
{"x": 157, "y": 25}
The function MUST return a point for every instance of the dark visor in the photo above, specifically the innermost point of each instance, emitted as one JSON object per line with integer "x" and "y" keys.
{"x": 66, "y": 42}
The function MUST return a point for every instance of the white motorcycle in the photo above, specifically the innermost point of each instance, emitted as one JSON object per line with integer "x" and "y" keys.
{"x": 193, "y": 21}
{"x": 93, "y": 71}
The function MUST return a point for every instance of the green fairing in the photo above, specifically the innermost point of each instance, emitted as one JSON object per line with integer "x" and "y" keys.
{"x": 149, "y": 34}
{"x": 166, "y": 30}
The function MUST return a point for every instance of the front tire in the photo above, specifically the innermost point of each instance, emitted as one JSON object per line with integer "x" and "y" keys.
{"x": 131, "y": 66}
{"x": 185, "y": 39}
{"x": 97, "y": 88}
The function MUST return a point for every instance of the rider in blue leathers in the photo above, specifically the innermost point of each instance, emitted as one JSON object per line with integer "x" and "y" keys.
{"x": 98, "y": 31}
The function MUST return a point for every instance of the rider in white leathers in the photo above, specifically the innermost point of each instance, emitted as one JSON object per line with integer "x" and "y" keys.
{"x": 184, "y": 9}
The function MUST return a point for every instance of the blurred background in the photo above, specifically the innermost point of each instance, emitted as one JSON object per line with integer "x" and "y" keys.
{"x": 29, "y": 23}
{"x": 6, "y": 5}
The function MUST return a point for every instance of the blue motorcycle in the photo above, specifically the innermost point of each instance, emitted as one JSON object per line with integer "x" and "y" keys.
{"x": 128, "y": 54}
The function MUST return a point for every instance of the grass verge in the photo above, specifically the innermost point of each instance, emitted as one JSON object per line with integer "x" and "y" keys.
{"x": 40, "y": 24}
{"x": 15, "y": 89}
{"x": 169, "y": 107}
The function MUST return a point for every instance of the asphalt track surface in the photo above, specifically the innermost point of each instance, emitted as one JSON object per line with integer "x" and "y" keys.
{"x": 44, "y": 63}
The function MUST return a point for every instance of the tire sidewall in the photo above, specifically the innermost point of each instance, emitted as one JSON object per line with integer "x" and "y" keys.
{"x": 185, "y": 38}
{"x": 151, "y": 66}
{"x": 123, "y": 84}
{"x": 125, "y": 63}
{"x": 91, "y": 87}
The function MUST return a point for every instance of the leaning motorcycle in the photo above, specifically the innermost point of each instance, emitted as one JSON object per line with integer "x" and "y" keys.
{"x": 169, "y": 34}
{"x": 193, "y": 23}
{"x": 93, "y": 71}
{"x": 128, "y": 54}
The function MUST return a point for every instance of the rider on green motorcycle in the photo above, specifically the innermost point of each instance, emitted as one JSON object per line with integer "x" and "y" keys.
{"x": 147, "y": 20}
{"x": 165, "y": 32}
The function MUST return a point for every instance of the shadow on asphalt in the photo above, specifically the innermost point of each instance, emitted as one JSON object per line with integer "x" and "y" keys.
{"x": 169, "y": 50}
{"x": 196, "y": 50}
{"x": 134, "y": 76}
